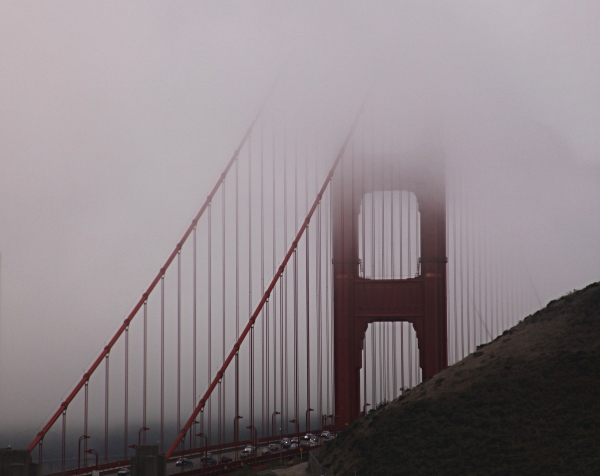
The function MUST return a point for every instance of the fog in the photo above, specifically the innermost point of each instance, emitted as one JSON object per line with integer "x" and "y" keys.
{"x": 117, "y": 118}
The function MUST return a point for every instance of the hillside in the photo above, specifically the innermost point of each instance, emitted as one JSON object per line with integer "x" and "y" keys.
{"x": 527, "y": 403}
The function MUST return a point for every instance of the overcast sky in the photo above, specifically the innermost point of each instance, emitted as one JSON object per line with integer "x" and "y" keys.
{"x": 116, "y": 118}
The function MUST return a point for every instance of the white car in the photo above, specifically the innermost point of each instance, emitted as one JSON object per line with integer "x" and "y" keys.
{"x": 247, "y": 452}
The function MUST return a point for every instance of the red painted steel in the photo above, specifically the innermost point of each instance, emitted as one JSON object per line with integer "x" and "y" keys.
{"x": 358, "y": 301}
{"x": 137, "y": 307}
{"x": 266, "y": 294}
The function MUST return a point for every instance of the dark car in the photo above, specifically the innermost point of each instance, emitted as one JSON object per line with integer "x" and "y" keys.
{"x": 184, "y": 462}
{"x": 286, "y": 443}
{"x": 226, "y": 459}
{"x": 209, "y": 462}
{"x": 206, "y": 456}
{"x": 273, "y": 448}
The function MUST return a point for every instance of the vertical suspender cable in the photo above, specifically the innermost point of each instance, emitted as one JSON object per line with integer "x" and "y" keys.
{"x": 209, "y": 319}
{"x": 265, "y": 319}
{"x": 64, "y": 439}
{"x": 373, "y": 368}
{"x": 237, "y": 299}
{"x": 468, "y": 268}
{"x": 392, "y": 196}
{"x": 296, "y": 351}
{"x": 223, "y": 314}
{"x": 374, "y": 326}
{"x": 194, "y": 309}
{"x": 409, "y": 237}
{"x": 106, "y": 392}
{"x": 319, "y": 298}
{"x": 307, "y": 328}
{"x": 179, "y": 340}
{"x": 418, "y": 374}
{"x": 284, "y": 296}
{"x": 328, "y": 306}
{"x": 454, "y": 263}
{"x": 402, "y": 325}
{"x": 461, "y": 210}
{"x": 41, "y": 456}
{"x": 281, "y": 350}
{"x": 250, "y": 280}
{"x": 363, "y": 201}
{"x": 364, "y": 365}
{"x": 85, "y": 422}
{"x": 373, "y": 216}
{"x": 480, "y": 283}
{"x": 274, "y": 262}
{"x": 409, "y": 266}
{"x": 295, "y": 291}
{"x": 383, "y": 274}
{"x": 162, "y": 362}
{"x": 307, "y": 291}
{"x": 393, "y": 276}
{"x": 126, "y": 413}
{"x": 402, "y": 382}
{"x": 145, "y": 371}
{"x": 380, "y": 352}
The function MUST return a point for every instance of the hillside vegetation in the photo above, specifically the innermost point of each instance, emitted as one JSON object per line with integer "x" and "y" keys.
{"x": 527, "y": 403}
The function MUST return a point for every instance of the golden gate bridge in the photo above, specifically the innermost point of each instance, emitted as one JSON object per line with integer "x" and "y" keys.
{"x": 311, "y": 286}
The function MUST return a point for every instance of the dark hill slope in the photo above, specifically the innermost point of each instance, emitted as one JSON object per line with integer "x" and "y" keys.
{"x": 527, "y": 403}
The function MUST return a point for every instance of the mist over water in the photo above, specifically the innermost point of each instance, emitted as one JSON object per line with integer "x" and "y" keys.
{"x": 116, "y": 120}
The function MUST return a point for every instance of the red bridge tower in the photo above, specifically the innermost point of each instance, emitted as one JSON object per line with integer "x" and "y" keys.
{"x": 420, "y": 300}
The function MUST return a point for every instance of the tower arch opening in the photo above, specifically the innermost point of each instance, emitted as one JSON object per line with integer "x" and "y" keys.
{"x": 389, "y": 235}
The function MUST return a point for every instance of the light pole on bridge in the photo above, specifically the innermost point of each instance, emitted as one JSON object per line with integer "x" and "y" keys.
{"x": 205, "y": 441}
{"x": 236, "y": 426}
{"x": 252, "y": 427}
{"x": 297, "y": 430}
{"x": 308, "y": 410}
{"x": 81, "y": 438}
{"x": 142, "y": 430}
{"x": 273, "y": 422}
{"x": 95, "y": 453}
{"x": 192, "y": 439}
{"x": 280, "y": 446}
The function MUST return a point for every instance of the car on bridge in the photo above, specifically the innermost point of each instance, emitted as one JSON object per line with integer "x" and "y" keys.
{"x": 286, "y": 443}
{"x": 247, "y": 452}
{"x": 209, "y": 462}
{"x": 184, "y": 462}
{"x": 226, "y": 459}
{"x": 273, "y": 448}
{"x": 124, "y": 472}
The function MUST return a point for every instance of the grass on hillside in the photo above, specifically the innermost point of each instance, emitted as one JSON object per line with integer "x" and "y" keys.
{"x": 526, "y": 404}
